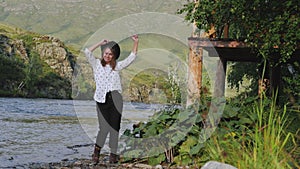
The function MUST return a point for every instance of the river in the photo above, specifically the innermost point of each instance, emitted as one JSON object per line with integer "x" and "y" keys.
{"x": 50, "y": 130}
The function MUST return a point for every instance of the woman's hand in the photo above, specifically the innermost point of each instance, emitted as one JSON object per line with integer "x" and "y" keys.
{"x": 102, "y": 42}
{"x": 135, "y": 39}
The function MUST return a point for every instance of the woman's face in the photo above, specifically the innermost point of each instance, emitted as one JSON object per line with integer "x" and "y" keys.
{"x": 107, "y": 55}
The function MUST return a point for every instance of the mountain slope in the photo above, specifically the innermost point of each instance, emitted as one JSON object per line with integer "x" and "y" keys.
{"x": 73, "y": 21}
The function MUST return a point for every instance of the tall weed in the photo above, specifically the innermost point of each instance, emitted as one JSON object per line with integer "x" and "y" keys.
{"x": 260, "y": 147}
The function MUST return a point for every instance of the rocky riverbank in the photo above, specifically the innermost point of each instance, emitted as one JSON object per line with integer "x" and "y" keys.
{"x": 88, "y": 164}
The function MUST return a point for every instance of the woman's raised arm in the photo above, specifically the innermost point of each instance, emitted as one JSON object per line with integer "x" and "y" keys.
{"x": 95, "y": 46}
{"x": 135, "y": 39}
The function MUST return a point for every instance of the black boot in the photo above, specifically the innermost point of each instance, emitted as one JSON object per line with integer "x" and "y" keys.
{"x": 113, "y": 158}
{"x": 96, "y": 154}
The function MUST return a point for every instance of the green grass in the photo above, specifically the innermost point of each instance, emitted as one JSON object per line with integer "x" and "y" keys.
{"x": 263, "y": 147}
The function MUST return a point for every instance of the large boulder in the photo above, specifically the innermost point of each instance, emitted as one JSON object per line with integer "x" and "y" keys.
{"x": 54, "y": 53}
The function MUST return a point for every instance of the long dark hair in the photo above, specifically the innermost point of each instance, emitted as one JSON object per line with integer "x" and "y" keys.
{"x": 115, "y": 49}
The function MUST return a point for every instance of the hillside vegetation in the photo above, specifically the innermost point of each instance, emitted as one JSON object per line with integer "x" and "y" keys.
{"x": 74, "y": 21}
{"x": 34, "y": 65}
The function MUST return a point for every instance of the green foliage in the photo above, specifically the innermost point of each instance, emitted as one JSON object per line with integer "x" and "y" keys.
{"x": 42, "y": 81}
{"x": 252, "y": 133}
{"x": 29, "y": 75}
{"x": 27, "y": 39}
{"x": 82, "y": 89}
{"x": 11, "y": 75}
{"x": 241, "y": 71}
{"x": 173, "y": 85}
{"x": 150, "y": 80}
{"x": 291, "y": 83}
{"x": 249, "y": 19}
{"x": 169, "y": 125}
{"x": 34, "y": 70}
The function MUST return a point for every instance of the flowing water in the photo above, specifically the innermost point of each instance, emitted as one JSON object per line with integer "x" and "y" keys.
{"x": 49, "y": 130}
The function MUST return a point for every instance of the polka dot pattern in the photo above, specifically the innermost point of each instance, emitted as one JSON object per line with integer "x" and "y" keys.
{"x": 105, "y": 78}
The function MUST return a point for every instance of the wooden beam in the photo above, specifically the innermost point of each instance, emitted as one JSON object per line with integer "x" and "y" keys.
{"x": 227, "y": 49}
{"x": 219, "y": 87}
{"x": 226, "y": 31}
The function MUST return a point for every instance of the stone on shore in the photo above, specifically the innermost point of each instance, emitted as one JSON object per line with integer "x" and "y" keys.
{"x": 217, "y": 165}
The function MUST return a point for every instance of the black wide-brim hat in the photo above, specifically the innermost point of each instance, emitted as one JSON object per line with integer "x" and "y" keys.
{"x": 114, "y": 47}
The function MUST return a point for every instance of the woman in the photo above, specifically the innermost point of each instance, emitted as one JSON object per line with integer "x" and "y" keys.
{"x": 109, "y": 102}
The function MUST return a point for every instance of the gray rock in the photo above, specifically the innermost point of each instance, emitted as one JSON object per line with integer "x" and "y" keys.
{"x": 217, "y": 165}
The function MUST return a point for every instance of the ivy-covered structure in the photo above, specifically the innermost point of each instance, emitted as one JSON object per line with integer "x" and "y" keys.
{"x": 264, "y": 32}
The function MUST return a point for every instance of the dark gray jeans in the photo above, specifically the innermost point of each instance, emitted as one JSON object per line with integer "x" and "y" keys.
{"x": 109, "y": 117}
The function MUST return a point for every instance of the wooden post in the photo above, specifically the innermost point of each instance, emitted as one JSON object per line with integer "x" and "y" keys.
{"x": 195, "y": 68}
{"x": 226, "y": 31}
{"x": 219, "y": 89}
{"x": 194, "y": 74}
{"x": 275, "y": 78}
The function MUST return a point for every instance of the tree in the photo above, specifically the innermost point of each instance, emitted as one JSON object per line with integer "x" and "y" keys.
{"x": 270, "y": 27}
{"x": 266, "y": 25}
